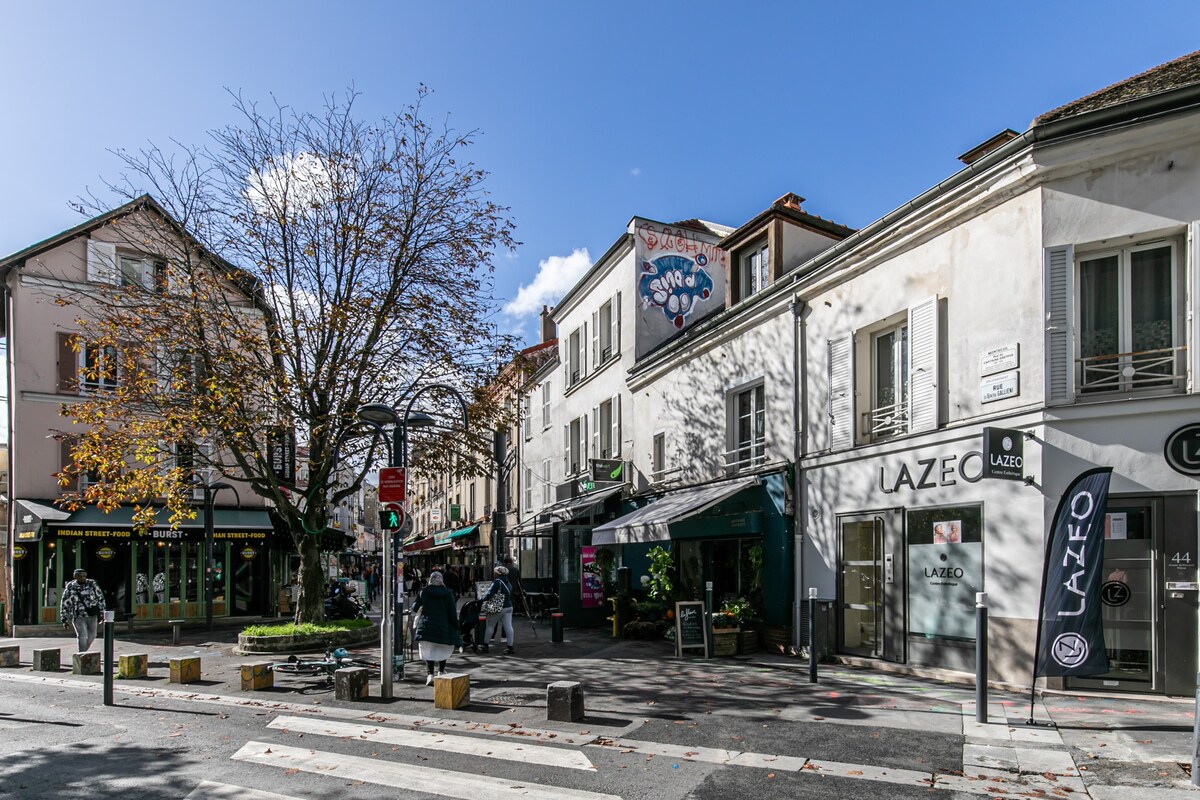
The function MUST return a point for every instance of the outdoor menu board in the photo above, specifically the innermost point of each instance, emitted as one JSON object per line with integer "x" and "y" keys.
{"x": 690, "y": 630}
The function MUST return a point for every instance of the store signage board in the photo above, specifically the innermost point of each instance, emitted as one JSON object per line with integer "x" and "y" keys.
{"x": 1000, "y": 359}
{"x": 1000, "y": 387}
{"x": 690, "y": 630}
{"x": 392, "y": 485}
{"x": 1182, "y": 450}
{"x": 281, "y": 449}
{"x": 1003, "y": 454}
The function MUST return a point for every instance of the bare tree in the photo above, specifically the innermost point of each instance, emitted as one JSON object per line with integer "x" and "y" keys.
{"x": 302, "y": 265}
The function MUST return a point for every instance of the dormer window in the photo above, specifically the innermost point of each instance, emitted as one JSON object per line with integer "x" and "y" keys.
{"x": 754, "y": 271}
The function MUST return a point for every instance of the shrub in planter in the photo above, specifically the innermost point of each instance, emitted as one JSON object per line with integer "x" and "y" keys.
{"x": 643, "y": 631}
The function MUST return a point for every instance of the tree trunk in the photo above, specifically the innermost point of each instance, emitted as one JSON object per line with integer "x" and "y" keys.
{"x": 310, "y": 607}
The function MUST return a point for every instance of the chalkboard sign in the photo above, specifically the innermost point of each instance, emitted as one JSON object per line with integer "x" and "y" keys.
{"x": 690, "y": 630}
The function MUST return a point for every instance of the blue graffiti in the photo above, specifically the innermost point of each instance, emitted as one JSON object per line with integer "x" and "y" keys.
{"x": 675, "y": 284}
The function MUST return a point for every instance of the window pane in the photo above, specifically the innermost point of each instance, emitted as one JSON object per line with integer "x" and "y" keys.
{"x": 1150, "y": 299}
{"x": 1099, "y": 307}
{"x": 885, "y": 370}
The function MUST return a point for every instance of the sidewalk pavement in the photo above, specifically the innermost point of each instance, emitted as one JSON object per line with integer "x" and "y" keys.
{"x": 1115, "y": 741}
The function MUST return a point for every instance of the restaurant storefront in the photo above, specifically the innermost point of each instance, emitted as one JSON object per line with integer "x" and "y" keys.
{"x": 147, "y": 575}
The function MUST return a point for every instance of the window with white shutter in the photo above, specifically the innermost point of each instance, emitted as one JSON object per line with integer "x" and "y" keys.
{"x": 924, "y": 382}
{"x": 102, "y": 262}
{"x": 841, "y": 392}
{"x": 1193, "y": 306}
{"x": 545, "y": 405}
{"x": 1060, "y": 347}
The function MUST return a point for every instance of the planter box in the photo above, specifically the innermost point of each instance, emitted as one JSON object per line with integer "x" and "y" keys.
{"x": 270, "y": 645}
{"x": 747, "y": 641}
{"x": 725, "y": 642}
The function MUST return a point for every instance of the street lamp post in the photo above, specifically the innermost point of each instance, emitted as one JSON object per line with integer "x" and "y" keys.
{"x": 379, "y": 415}
{"x": 210, "y": 492}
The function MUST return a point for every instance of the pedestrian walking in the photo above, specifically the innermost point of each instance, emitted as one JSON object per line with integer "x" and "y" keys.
{"x": 82, "y": 605}
{"x": 503, "y": 617}
{"x": 452, "y": 581}
{"x": 437, "y": 628}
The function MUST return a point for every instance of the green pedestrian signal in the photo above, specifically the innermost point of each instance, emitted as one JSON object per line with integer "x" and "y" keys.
{"x": 390, "y": 518}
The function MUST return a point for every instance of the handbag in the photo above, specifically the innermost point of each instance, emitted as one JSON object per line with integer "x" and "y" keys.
{"x": 494, "y": 604}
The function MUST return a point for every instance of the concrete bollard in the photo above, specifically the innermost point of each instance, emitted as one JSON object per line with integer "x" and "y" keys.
{"x": 564, "y": 701}
{"x": 133, "y": 665}
{"x": 258, "y": 675}
{"x": 452, "y": 690}
{"x": 176, "y": 624}
{"x": 350, "y": 683}
{"x": 10, "y": 656}
{"x": 86, "y": 663}
{"x": 48, "y": 660}
{"x": 185, "y": 670}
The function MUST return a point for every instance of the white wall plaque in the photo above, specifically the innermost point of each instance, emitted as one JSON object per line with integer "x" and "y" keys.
{"x": 999, "y": 387}
{"x": 1000, "y": 359}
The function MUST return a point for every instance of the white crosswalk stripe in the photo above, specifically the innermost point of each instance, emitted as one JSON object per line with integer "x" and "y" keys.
{"x": 444, "y": 783}
{"x": 211, "y": 790}
{"x": 531, "y": 753}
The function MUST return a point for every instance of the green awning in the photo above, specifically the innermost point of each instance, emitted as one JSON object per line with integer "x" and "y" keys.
{"x": 467, "y": 531}
{"x": 90, "y": 517}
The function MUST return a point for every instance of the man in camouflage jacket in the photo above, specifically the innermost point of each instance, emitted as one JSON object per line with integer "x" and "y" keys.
{"x": 82, "y": 605}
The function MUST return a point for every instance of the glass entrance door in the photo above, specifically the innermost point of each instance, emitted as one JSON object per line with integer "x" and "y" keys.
{"x": 1129, "y": 607}
{"x": 862, "y": 587}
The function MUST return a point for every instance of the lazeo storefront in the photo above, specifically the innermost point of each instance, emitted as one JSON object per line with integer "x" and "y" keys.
{"x": 153, "y": 574}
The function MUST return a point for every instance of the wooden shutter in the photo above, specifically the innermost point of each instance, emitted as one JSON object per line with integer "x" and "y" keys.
{"x": 596, "y": 449}
{"x": 566, "y": 449}
{"x": 923, "y": 350}
{"x": 583, "y": 348}
{"x": 1060, "y": 319}
{"x": 616, "y": 427}
{"x": 841, "y": 393}
{"x": 68, "y": 364}
{"x": 1193, "y": 307}
{"x": 102, "y": 262}
{"x": 615, "y": 316}
{"x": 596, "y": 355}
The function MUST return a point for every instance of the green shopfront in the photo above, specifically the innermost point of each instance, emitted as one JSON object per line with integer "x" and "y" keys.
{"x": 156, "y": 574}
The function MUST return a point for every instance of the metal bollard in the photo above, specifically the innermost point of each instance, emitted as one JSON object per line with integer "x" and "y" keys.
{"x": 109, "y": 622}
{"x": 1196, "y": 737}
{"x": 981, "y": 657}
{"x": 812, "y": 635}
{"x": 480, "y": 631}
{"x": 556, "y": 627}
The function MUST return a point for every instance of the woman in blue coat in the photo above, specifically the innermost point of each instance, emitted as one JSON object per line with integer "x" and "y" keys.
{"x": 437, "y": 630}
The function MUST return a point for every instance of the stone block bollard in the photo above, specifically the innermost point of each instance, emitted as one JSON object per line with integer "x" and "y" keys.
{"x": 258, "y": 675}
{"x": 452, "y": 690}
{"x": 10, "y": 656}
{"x": 350, "y": 683}
{"x": 564, "y": 701}
{"x": 185, "y": 670}
{"x": 48, "y": 660}
{"x": 86, "y": 663}
{"x": 133, "y": 665}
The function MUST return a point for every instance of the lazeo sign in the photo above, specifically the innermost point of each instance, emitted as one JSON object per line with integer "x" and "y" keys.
{"x": 1003, "y": 454}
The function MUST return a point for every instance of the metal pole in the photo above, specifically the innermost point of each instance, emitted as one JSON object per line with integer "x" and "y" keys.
{"x": 208, "y": 558}
{"x": 500, "y": 515}
{"x": 812, "y": 634}
{"x": 1196, "y": 737}
{"x": 387, "y": 636}
{"x": 109, "y": 622}
{"x": 708, "y": 601}
{"x": 981, "y": 657}
{"x": 399, "y": 631}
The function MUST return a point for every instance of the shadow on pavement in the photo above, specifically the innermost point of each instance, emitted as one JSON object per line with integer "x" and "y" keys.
{"x": 84, "y": 768}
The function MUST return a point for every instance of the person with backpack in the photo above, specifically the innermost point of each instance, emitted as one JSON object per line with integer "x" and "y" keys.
{"x": 498, "y": 606}
{"x": 82, "y": 605}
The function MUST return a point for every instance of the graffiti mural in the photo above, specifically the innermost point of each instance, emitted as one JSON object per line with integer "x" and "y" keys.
{"x": 680, "y": 279}
{"x": 675, "y": 284}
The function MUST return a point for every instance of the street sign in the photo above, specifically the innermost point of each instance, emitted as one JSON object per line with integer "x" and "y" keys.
{"x": 393, "y": 485}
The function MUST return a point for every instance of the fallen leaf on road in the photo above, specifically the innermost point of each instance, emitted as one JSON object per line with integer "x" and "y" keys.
{"x": 770, "y": 774}
{"x": 854, "y": 772}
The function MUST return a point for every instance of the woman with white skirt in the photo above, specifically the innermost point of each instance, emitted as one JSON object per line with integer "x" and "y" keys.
{"x": 437, "y": 629}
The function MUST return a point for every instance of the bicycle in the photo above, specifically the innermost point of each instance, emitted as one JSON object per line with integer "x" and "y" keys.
{"x": 333, "y": 660}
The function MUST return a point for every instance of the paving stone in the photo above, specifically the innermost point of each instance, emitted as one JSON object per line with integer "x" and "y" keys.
{"x": 836, "y": 769}
{"x": 1056, "y": 786}
{"x": 1037, "y": 761}
{"x": 764, "y": 761}
{"x": 990, "y": 756}
{"x": 993, "y": 786}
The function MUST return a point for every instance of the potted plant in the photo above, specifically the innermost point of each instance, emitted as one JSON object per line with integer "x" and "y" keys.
{"x": 724, "y": 632}
{"x": 741, "y": 611}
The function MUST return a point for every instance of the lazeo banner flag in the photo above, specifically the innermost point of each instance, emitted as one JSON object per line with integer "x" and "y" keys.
{"x": 1070, "y": 637}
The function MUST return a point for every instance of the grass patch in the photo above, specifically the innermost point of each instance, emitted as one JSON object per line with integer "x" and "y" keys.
{"x": 306, "y": 628}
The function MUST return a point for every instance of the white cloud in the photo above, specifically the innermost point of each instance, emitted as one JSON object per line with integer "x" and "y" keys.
{"x": 636, "y": 172}
{"x": 556, "y": 275}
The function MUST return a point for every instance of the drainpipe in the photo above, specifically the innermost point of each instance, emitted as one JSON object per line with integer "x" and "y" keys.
{"x": 800, "y": 420}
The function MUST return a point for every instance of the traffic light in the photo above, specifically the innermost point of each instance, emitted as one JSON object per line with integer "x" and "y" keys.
{"x": 390, "y": 519}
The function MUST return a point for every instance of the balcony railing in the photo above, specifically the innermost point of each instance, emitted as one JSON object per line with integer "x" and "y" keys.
{"x": 1131, "y": 372}
{"x": 887, "y": 421}
{"x": 747, "y": 454}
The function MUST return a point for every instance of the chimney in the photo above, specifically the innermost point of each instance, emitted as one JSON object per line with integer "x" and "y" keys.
{"x": 790, "y": 200}
{"x": 548, "y": 330}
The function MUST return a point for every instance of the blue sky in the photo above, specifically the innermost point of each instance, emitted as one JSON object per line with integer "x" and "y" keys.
{"x": 587, "y": 113}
